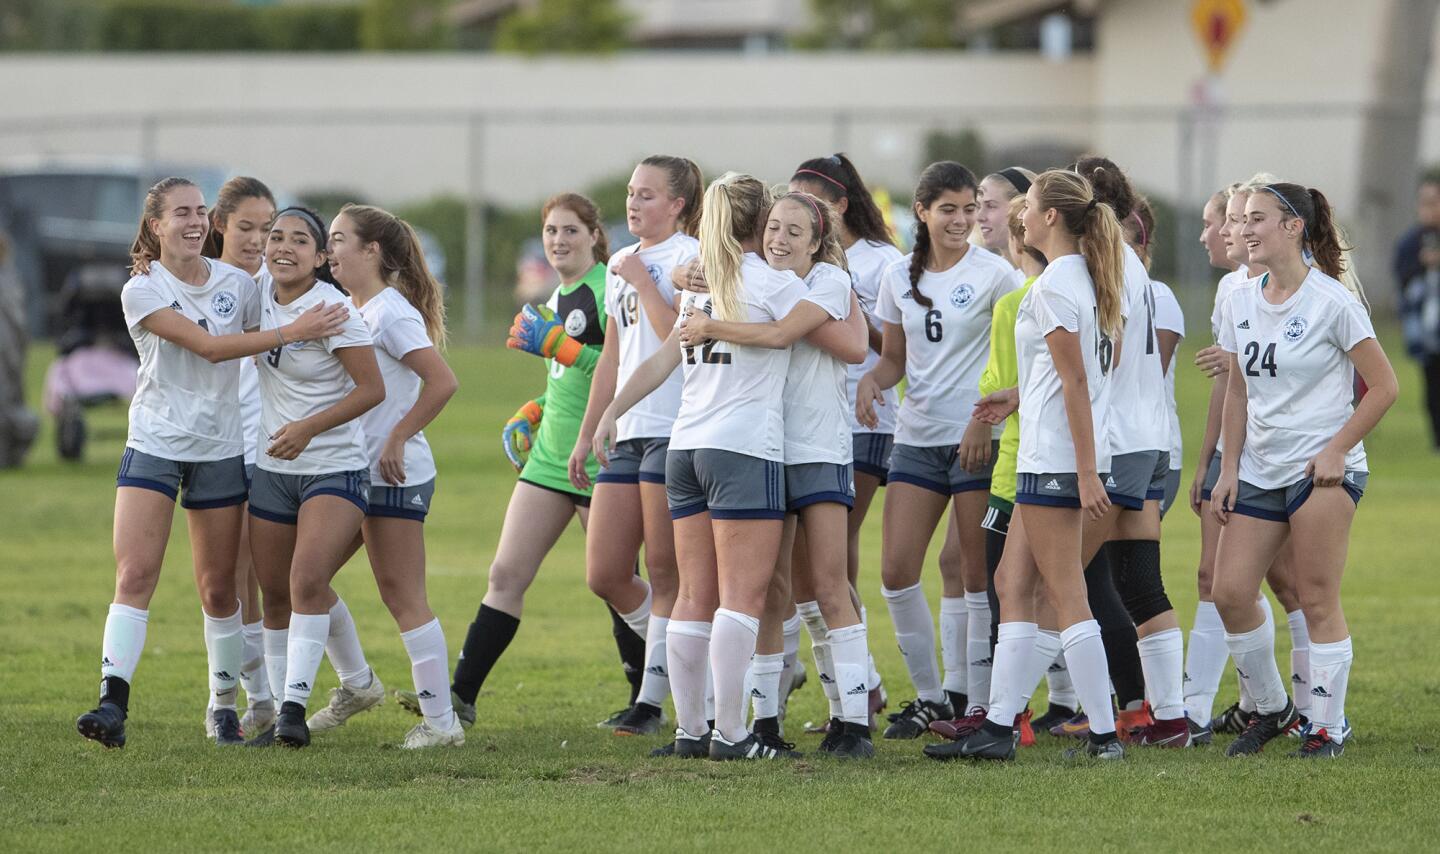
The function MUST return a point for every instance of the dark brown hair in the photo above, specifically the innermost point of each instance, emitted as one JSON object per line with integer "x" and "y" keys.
{"x": 1110, "y": 184}
{"x": 231, "y": 194}
{"x": 834, "y": 178}
{"x": 686, "y": 183}
{"x": 402, "y": 263}
{"x": 938, "y": 178}
{"x": 146, "y": 247}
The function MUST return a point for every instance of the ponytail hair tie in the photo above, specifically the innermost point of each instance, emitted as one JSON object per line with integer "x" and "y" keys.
{"x": 1090, "y": 207}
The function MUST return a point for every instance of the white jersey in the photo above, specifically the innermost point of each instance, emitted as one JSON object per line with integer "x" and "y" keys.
{"x": 1169, "y": 317}
{"x": 1140, "y": 419}
{"x": 250, "y": 387}
{"x": 816, "y": 429}
{"x": 1227, "y": 285}
{"x": 1298, "y": 376}
{"x": 654, "y": 416}
{"x": 306, "y": 377}
{"x": 398, "y": 330}
{"x": 734, "y": 396}
{"x": 868, "y": 261}
{"x": 1063, "y": 297}
{"x": 947, "y": 345}
{"x": 185, "y": 408}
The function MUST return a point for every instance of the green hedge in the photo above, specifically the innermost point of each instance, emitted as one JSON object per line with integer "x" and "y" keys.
{"x": 170, "y": 25}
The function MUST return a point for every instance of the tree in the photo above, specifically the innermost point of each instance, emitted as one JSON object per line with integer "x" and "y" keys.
{"x": 403, "y": 25}
{"x": 882, "y": 24}
{"x": 564, "y": 26}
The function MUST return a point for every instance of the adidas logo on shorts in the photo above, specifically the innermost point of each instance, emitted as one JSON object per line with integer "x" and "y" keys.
{"x": 418, "y": 501}
{"x": 1053, "y": 485}
{"x": 1110, "y": 482}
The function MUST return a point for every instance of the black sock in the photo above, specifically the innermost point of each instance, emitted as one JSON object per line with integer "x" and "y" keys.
{"x": 1097, "y": 739}
{"x": 997, "y": 729}
{"x": 632, "y": 651}
{"x": 116, "y": 692}
{"x": 1117, "y": 631}
{"x": 652, "y": 711}
{"x": 959, "y": 703}
{"x": 486, "y": 641}
{"x": 766, "y": 725}
{"x": 994, "y": 549}
{"x": 862, "y": 730}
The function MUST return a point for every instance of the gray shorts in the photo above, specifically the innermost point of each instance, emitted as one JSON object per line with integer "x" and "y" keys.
{"x": 636, "y": 460}
{"x": 1137, "y": 477}
{"x": 1212, "y": 476}
{"x": 872, "y": 454}
{"x": 938, "y": 469}
{"x": 277, "y": 497}
{"x": 725, "y": 484}
{"x": 401, "y": 502}
{"x": 1060, "y": 489}
{"x": 207, "y": 485}
{"x": 1278, "y": 505}
{"x": 814, "y": 483}
{"x": 1172, "y": 490}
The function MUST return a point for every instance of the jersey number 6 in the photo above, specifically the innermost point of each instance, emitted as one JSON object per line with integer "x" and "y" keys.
{"x": 933, "y": 330}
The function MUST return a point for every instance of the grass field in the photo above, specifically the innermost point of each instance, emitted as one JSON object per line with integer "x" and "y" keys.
{"x": 536, "y": 772}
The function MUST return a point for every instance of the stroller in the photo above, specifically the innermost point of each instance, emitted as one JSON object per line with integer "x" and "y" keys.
{"x": 95, "y": 361}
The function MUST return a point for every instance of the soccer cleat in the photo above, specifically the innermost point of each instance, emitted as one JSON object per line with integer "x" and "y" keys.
{"x": 1131, "y": 721}
{"x": 1200, "y": 736}
{"x": 1053, "y": 716}
{"x": 1261, "y": 729}
{"x": 258, "y": 717}
{"x": 105, "y": 724}
{"x": 685, "y": 746}
{"x": 264, "y": 739}
{"x": 424, "y": 735}
{"x": 1232, "y": 721}
{"x": 959, "y": 728}
{"x": 750, "y": 747}
{"x": 1318, "y": 745}
{"x": 853, "y": 742}
{"x": 1166, "y": 733}
{"x": 1077, "y": 727}
{"x": 1300, "y": 728}
{"x": 227, "y": 728}
{"x": 613, "y": 719}
{"x": 410, "y": 702}
{"x": 290, "y": 727}
{"x": 345, "y": 703}
{"x": 915, "y": 718}
{"x": 1107, "y": 750}
{"x": 1027, "y": 732}
{"x": 833, "y": 729}
{"x": 640, "y": 719}
{"x": 773, "y": 740}
{"x": 983, "y": 743}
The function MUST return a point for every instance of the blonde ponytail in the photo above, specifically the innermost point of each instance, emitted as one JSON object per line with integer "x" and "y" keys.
{"x": 1101, "y": 241}
{"x": 730, "y": 214}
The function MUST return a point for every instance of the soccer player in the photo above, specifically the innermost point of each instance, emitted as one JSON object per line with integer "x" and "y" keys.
{"x": 662, "y": 209}
{"x": 567, "y": 333}
{"x": 377, "y": 258}
{"x": 1297, "y": 464}
{"x": 936, "y": 305}
{"x": 801, "y": 235}
{"x": 724, "y": 473}
{"x": 188, "y": 316}
{"x": 311, "y": 487}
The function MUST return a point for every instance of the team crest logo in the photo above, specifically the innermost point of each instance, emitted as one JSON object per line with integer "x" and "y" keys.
{"x": 962, "y": 295}
{"x": 575, "y": 323}
{"x": 1295, "y": 328}
{"x": 655, "y": 274}
{"x": 223, "y": 303}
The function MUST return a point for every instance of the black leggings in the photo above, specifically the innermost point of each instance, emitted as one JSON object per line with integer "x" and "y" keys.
{"x": 1117, "y": 630}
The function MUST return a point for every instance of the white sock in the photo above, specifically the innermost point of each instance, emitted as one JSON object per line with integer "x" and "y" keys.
{"x": 655, "y": 684}
{"x": 849, "y": 650}
{"x": 809, "y": 613}
{"x": 1048, "y": 649}
{"x": 1204, "y": 663}
{"x": 1299, "y": 661}
{"x": 1014, "y": 646}
{"x": 123, "y": 641}
{"x": 1254, "y": 654}
{"x": 977, "y": 650}
{"x": 790, "y": 631}
{"x": 343, "y": 646}
{"x": 224, "y": 652}
{"x": 915, "y": 632}
{"x": 709, "y": 689}
{"x": 429, "y": 663}
{"x": 1162, "y": 659}
{"x": 1330, "y": 676}
{"x": 954, "y": 631}
{"x": 765, "y": 673}
{"x": 874, "y": 679}
{"x": 303, "y": 654}
{"x": 252, "y": 670}
{"x": 1267, "y": 625}
{"x": 639, "y": 619}
{"x": 732, "y": 644}
{"x": 1085, "y": 656}
{"x": 277, "y": 645}
{"x": 687, "y": 650}
{"x": 1060, "y": 688}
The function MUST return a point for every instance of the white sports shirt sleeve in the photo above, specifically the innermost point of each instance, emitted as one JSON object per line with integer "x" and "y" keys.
{"x": 868, "y": 261}
{"x": 1169, "y": 317}
{"x": 816, "y": 427}
{"x": 398, "y": 330}
{"x": 1142, "y": 421}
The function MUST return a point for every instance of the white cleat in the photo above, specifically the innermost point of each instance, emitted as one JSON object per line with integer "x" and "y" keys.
{"x": 346, "y": 703}
{"x": 258, "y": 717}
{"x": 423, "y": 735}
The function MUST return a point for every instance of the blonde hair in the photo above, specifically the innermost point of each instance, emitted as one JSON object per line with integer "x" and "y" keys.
{"x": 824, "y": 224}
{"x": 1016, "y": 224}
{"x": 731, "y": 213}
{"x": 146, "y": 246}
{"x": 1092, "y": 223}
{"x": 402, "y": 263}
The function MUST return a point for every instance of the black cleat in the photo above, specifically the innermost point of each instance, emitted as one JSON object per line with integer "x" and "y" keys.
{"x": 639, "y": 719}
{"x": 290, "y": 728}
{"x": 264, "y": 739}
{"x": 1054, "y": 716}
{"x": 915, "y": 718}
{"x": 685, "y": 746}
{"x": 1200, "y": 736}
{"x": 770, "y": 737}
{"x": 1262, "y": 729}
{"x": 613, "y": 719}
{"x": 227, "y": 728}
{"x": 834, "y": 728}
{"x": 749, "y": 747}
{"x": 853, "y": 742}
{"x": 1106, "y": 750}
{"x": 1317, "y": 745}
{"x": 1232, "y": 721}
{"x": 105, "y": 724}
{"x": 983, "y": 743}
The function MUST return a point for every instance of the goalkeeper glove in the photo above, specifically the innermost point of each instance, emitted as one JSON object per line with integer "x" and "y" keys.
{"x": 540, "y": 332}
{"x": 519, "y": 433}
